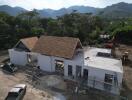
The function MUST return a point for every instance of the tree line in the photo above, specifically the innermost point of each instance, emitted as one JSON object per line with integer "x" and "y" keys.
{"x": 86, "y": 27}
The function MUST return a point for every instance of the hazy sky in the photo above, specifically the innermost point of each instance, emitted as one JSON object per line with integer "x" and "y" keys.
{"x": 57, "y": 4}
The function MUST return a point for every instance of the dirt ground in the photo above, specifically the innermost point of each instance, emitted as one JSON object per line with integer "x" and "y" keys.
{"x": 127, "y": 79}
{"x": 35, "y": 91}
{"x": 8, "y": 81}
{"x": 53, "y": 87}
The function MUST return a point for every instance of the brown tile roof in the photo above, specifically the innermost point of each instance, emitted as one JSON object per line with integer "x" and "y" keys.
{"x": 29, "y": 42}
{"x": 57, "y": 46}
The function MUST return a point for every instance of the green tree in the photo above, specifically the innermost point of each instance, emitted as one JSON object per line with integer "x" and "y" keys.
{"x": 123, "y": 35}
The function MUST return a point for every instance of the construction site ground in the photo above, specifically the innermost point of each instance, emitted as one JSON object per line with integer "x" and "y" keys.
{"x": 127, "y": 78}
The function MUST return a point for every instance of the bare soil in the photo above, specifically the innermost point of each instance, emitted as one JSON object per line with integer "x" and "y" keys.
{"x": 127, "y": 79}
{"x": 8, "y": 81}
{"x": 23, "y": 75}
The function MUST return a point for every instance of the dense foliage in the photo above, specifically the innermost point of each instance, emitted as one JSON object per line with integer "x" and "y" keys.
{"x": 84, "y": 26}
{"x": 124, "y": 35}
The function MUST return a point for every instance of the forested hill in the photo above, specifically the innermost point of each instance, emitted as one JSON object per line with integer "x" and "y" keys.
{"x": 55, "y": 13}
{"x": 12, "y": 10}
{"x": 50, "y": 12}
{"x": 118, "y": 10}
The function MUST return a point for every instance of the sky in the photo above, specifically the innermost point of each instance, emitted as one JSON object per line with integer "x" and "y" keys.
{"x": 57, "y": 4}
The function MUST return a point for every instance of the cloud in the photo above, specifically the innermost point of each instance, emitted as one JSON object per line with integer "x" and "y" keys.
{"x": 30, "y": 4}
{"x": 57, "y": 4}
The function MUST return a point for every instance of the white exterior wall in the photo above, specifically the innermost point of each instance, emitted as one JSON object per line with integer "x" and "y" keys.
{"x": 47, "y": 63}
{"x": 99, "y": 74}
{"x": 120, "y": 77}
{"x": 73, "y": 63}
{"x": 78, "y": 60}
{"x": 18, "y": 57}
{"x": 44, "y": 62}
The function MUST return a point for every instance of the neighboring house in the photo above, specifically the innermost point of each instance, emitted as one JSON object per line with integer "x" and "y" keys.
{"x": 93, "y": 67}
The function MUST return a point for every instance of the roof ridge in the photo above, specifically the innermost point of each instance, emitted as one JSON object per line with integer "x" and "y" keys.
{"x": 58, "y": 36}
{"x": 29, "y": 38}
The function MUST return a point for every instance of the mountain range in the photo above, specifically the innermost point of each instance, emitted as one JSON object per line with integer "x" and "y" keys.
{"x": 121, "y": 9}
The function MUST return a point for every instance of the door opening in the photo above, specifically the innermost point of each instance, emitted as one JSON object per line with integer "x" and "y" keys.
{"x": 78, "y": 71}
{"x": 85, "y": 74}
{"x": 69, "y": 70}
{"x": 59, "y": 67}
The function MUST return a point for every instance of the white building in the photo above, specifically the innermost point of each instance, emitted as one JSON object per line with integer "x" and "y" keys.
{"x": 92, "y": 66}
